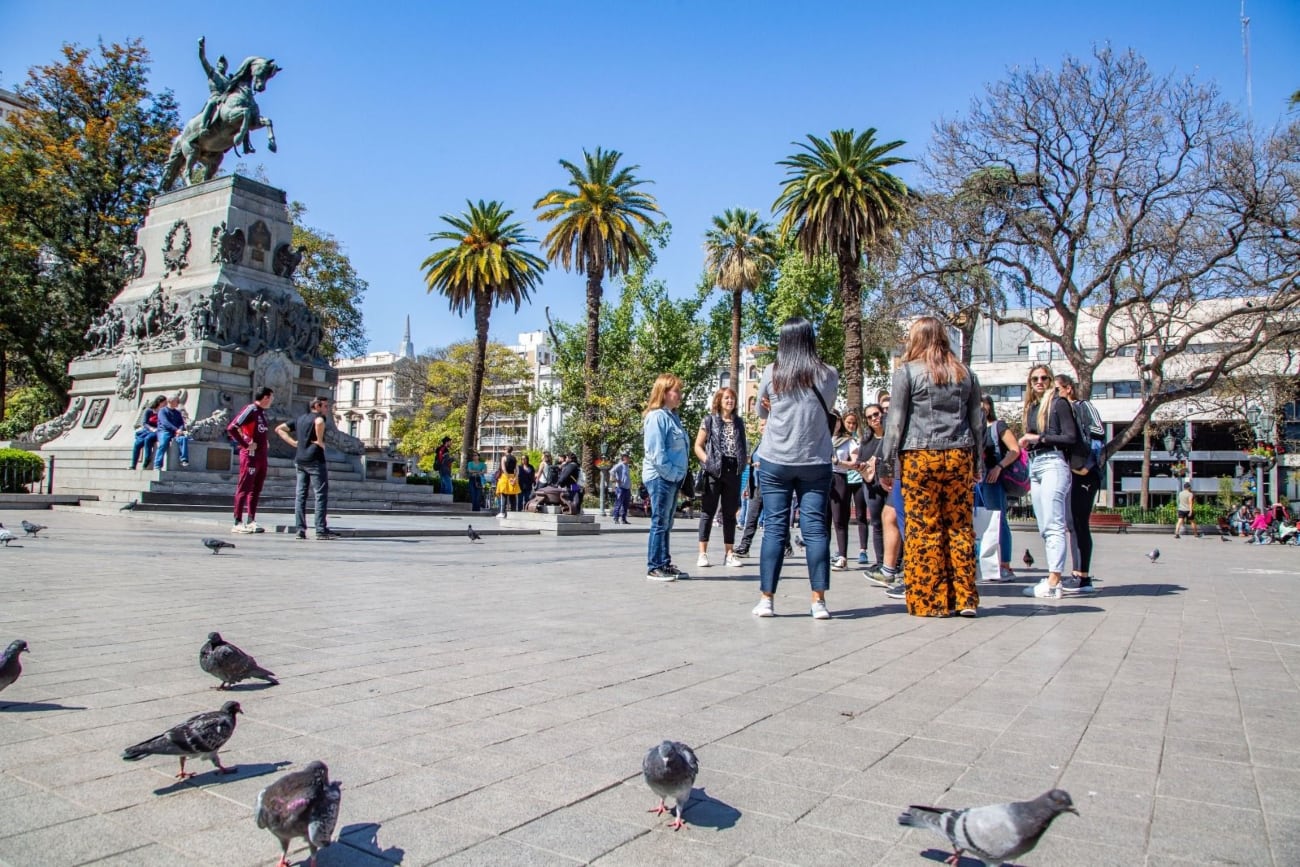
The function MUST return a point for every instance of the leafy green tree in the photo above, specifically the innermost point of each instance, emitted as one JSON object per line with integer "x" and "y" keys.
{"x": 447, "y": 377}
{"x": 77, "y": 171}
{"x": 331, "y": 288}
{"x": 598, "y": 221}
{"x": 486, "y": 265}
{"x": 25, "y": 409}
{"x": 839, "y": 199}
{"x": 799, "y": 286}
{"x": 739, "y": 253}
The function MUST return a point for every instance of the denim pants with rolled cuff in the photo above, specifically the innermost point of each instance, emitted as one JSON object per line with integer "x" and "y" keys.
{"x": 780, "y": 484}
{"x": 663, "y": 507}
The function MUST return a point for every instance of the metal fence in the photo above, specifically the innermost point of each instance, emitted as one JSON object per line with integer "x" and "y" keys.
{"x": 27, "y": 479}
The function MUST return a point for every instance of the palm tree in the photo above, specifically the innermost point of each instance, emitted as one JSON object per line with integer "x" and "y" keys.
{"x": 840, "y": 200}
{"x": 598, "y": 219}
{"x": 739, "y": 252}
{"x": 485, "y": 266}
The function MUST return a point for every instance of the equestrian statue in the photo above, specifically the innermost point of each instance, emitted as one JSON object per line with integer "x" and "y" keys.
{"x": 230, "y": 114}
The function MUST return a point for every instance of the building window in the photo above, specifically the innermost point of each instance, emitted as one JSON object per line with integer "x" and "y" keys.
{"x": 1099, "y": 391}
{"x": 352, "y": 427}
{"x": 1022, "y": 351}
{"x": 1127, "y": 388}
{"x": 376, "y": 429}
{"x": 356, "y": 392}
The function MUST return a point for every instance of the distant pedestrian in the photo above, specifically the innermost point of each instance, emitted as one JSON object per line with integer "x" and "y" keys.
{"x": 936, "y": 437}
{"x": 1186, "y": 511}
{"x": 796, "y": 394}
{"x": 306, "y": 434}
{"x": 508, "y": 482}
{"x": 663, "y": 470}
{"x": 171, "y": 426}
{"x": 475, "y": 469}
{"x": 249, "y": 429}
{"x": 620, "y": 475}
{"x": 527, "y": 480}
{"x": 146, "y": 433}
{"x": 442, "y": 465}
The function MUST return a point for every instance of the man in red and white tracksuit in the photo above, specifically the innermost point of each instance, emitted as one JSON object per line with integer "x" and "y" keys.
{"x": 249, "y": 429}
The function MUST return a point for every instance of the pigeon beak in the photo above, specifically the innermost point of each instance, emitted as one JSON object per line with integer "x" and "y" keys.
{"x": 1072, "y": 810}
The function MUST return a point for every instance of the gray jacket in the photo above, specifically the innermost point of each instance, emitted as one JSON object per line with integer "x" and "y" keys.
{"x": 924, "y": 416}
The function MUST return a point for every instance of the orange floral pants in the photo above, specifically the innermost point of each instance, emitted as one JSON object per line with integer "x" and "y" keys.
{"x": 939, "y": 531}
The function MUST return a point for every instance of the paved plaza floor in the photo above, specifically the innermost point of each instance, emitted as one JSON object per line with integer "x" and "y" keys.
{"x": 491, "y": 703}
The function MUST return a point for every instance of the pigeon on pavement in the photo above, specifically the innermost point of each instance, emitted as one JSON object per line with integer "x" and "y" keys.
{"x": 1028, "y": 559}
{"x": 993, "y": 834}
{"x": 10, "y": 665}
{"x": 32, "y": 529}
{"x": 130, "y": 506}
{"x": 215, "y": 545}
{"x": 670, "y": 771}
{"x": 472, "y": 533}
{"x": 300, "y": 804}
{"x": 5, "y": 536}
{"x": 200, "y": 736}
{"x": 1153, "y": 555}
{"x": 228, "y": 664}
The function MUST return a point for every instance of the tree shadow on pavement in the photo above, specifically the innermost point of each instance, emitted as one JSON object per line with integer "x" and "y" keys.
{"x": 362, "y": 837}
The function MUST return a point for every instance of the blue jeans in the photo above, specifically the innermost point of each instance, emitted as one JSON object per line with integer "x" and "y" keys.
{"x": 144, "y": 442}
{"x": 779, "y": 484}
{"x": 663, "y": 503}
{"x": 317, "y": 476}
{"x": 993, "y": 496}
{"x": 475, "y": 493}
{"x": 164, "y": 439}
{"x": 622, "y": 499}
{"x": 1049, "y": 487}
{"x": 446, "y": 483}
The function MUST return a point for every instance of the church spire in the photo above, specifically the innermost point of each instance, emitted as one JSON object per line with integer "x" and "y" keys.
{"x": 408, "y": 349}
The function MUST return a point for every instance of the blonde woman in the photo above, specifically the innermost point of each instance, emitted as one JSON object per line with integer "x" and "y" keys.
{"x": 1050, "y": 432}
{"x": 662, "y": 472}
{"x": 936, "y": 432}
{"x": 720, "y": 445}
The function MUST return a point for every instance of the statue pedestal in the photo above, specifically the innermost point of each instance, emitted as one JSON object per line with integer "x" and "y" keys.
{"x": 210, "y": 311}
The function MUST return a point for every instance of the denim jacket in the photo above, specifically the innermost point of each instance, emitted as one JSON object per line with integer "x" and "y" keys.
{"x": 665, "y": 447}
{"x": 925, "y": 416}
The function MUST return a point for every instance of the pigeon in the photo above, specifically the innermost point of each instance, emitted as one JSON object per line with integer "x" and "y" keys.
{"x": 200, "y": 736}
{"x": 1153, "y": 555}
{"x": 301, "y": 804}
{"x": 229, "y": 664}
{"x": 32, "y": 529}
{"x": 993, "y": 834}
{"x": 670, "y": 770}
{"x": 798, "y": 540}
{"x": 1028, "y": 559}
{"x": 6, "y": 536}
{"x": 215, "y": 545}
{"x": 130, "y": 507}
{"x": 10, "y": 665}
{"x": 472, "y": 533}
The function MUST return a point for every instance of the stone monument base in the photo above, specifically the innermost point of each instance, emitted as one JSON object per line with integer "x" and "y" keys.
{"x": 551, "y": 524}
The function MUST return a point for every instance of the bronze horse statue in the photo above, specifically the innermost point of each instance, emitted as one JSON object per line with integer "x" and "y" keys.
{"x": 218, "y": 128}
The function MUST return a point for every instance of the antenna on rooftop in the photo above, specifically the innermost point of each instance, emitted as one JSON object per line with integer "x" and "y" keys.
{"x": 1245, "y": 56}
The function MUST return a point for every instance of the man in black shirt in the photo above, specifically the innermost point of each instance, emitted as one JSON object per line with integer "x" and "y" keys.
{"x": 307, "y": 435}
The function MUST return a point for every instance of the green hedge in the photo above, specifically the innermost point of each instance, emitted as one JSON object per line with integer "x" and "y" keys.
{"x": 1207, "y": 515}
{"x": 18, "y": 469}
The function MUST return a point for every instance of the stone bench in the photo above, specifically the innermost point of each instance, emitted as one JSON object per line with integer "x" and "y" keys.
{"x": 551, "y": 524}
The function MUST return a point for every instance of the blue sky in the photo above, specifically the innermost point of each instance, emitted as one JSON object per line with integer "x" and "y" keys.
{"x": 389, "y": 115}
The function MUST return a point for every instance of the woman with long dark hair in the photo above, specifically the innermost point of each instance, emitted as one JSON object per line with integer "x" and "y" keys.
{"x": 869, "y": 456}
{"x": 720, "y": 445}
{"x": 796, "y": 394}
{"x": 1000, "y": 451}
{"x": 846, "y": 490}
{"x": 1085, "y": 482}
{"x": 1049, "y": 435}
{"x": 934, "y": 437}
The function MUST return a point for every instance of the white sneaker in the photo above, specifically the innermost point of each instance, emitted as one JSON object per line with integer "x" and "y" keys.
{"x": 839, "y": 564}
{"x": 252, "y": 527}
{"x": 239, "y": 528}
{"x": 819, "y": 612}
{"x": 703, "y": 562}
{"x": 733, "y": 560}
{"x": 764, "y": 608}
{"x": 1043, "y": 590}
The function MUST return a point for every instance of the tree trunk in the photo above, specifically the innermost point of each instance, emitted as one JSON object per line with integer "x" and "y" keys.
{"x": 469, "y": 437}
{"x": 851, "y": 302}
{"x": 4, "y": 381}
{"x": 591, "y": 367}
{"x": 1146, "y": 467}
{"x": 735, "y": 344}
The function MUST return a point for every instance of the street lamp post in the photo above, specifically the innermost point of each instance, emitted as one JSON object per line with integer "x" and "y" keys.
{"x": 1260, "y": 462}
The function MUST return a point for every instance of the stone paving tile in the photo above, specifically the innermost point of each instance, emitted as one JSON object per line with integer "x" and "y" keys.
{"x": 476, "y": 715}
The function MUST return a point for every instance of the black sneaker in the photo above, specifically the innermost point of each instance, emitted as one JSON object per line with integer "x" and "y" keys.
{"x": 329, "y": 534}
{"x": 302, "y": 534}
{"x": 677, "y": 573}
{"x": 661, "y": 574}
{"x": 740, "y": 552}
{"x": 897, "y": 591}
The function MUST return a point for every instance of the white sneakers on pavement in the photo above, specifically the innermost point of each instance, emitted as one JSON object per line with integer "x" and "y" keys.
{"x": 764, "y": 608}
{"x": 703, "y": 562}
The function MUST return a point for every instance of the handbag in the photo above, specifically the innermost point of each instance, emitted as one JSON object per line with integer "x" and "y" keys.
{"x": 1015, "y": 478}
{"x": 832, "y": 419}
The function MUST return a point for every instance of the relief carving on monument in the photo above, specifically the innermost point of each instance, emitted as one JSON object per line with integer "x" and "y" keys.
{"x": 259, "y": 242}
{"x": 95, "y": 414}
{"x": 55, "y": 427}
{"x": 133, "y": 262}
{"x": 286, "y": 261}
{"x": 128, "y": 377}
{"x": 176, "y": 251}
{"x": 227, "y": 246}
{"x": 274, "y": 370}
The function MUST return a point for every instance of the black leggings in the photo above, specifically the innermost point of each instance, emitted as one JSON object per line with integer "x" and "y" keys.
{"x": 844, "y": 496}
{"x": 875, "y": 508}
{"x": 726, "y": 489}
{"x": 1083, "y": 493}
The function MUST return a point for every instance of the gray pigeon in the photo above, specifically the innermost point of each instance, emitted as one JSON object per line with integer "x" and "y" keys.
{"x": 200, "y": 736}
{"x": 472, "y": 533}
{"x": 130, "y": 506}
{"x": 32, "y": 529}
{"x": 10, "y": 665}
{"x": 229, "y": 664}
{"x": 215, "y": 545}
{"x": 670, "y": 770}
{"x": 996, "y": 833}
{"x": 6, "y": 536}
{"x": 1153, "y": 555}
{"x": 301, "y": 804}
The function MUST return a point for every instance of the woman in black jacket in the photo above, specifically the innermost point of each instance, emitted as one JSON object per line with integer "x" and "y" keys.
{"x": 720, "y": 445}
{"x": 1050, "y": 434}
